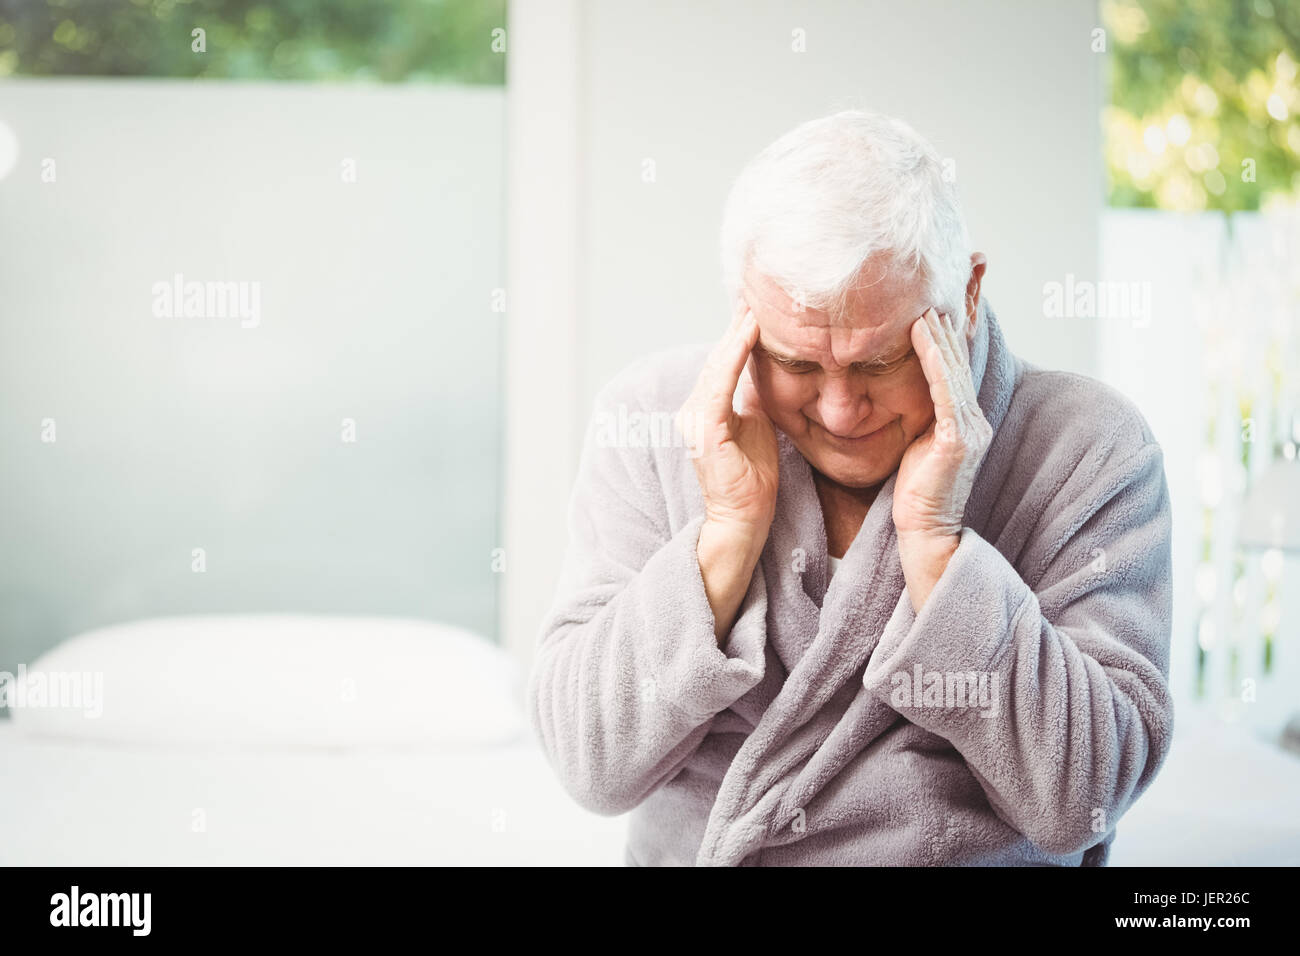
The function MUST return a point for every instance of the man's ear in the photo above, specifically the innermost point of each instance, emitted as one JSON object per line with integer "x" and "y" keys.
{"x": 977, "y": 265}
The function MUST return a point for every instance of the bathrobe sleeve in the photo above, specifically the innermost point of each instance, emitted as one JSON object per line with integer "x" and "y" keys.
{"x": 628, "y": 675}
{"x": 1077, "y": 717}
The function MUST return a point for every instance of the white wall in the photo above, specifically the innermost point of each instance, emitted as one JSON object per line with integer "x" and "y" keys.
{"x": 1009, "y": 89}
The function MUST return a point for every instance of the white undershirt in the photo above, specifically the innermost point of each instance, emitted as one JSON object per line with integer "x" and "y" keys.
{"x": 833, "y": 562}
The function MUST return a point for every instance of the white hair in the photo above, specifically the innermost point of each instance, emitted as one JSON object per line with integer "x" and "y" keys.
{"x": 812, "y": 208}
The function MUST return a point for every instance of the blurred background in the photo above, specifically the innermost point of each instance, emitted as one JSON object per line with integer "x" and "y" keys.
{"x": 447, "y": 223}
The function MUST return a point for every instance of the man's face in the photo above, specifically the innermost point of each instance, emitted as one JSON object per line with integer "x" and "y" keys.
{"x": 850, "y": 394}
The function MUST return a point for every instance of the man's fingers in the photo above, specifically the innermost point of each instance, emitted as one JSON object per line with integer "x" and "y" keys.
{"x": 747, "y": 401}
{"x": 926, "y": 339}
{"x": 965, "y": 380}
{"x": 930, "y": 340}
{"x": 959, "y": 376}
{"x": 718, "y": 352}
{"x": 707, "y": 411}
{"x": 739, "y": 308}
{"x": 957, "y": 342}
{"x": 725, "y": 375}
{"x": 941, "y": 328}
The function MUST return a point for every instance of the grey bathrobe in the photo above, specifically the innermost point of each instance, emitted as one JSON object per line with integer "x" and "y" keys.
{"x": 829, "y": 728}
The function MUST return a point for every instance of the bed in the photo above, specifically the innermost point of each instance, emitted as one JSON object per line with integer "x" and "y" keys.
{"x": 278, "y": 740}
{"x": 283, "y": 740}
{"x": 79, "y": 804}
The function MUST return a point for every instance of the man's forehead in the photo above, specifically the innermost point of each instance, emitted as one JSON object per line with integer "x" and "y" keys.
{"x": 878, "y": 295}
{"x": 878, "y": 315}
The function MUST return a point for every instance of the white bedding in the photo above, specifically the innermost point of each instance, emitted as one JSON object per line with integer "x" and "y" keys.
{"x": 269, "y": 739}
{"x": 81, "y": 804}
{"x": 1222, "y": 799}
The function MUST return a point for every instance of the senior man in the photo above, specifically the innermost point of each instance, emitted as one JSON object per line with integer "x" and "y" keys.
{"x": 898, "y": 597}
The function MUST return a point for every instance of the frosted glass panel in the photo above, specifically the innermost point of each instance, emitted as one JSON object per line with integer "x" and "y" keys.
{"x": 313, "y": 423}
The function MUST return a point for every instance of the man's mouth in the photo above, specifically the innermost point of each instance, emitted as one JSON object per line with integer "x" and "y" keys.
{"x": 853, "y": 441}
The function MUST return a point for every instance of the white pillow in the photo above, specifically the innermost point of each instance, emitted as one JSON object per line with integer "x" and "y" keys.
{"x": 275, "y": 681}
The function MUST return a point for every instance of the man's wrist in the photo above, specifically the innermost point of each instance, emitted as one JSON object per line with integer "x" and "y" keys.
{"x": 924, "y": 555}
{"x": 727, "y": 556}
{"x": 743, "y": 544}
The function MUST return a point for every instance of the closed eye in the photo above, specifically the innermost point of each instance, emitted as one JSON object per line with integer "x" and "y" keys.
{"x": 869, "y": 368}
{"x": 884, "y": 368}
{"x": 798, "y": 368}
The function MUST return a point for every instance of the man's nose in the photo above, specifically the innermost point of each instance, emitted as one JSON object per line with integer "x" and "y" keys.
{"x": 842, "y": 406}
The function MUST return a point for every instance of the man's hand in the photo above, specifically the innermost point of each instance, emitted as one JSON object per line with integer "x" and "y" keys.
{"x": 938, "y": 469}
{"x": 736, "y": 462}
